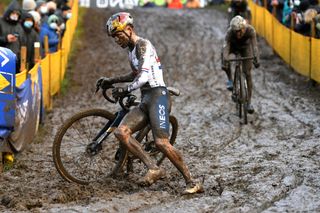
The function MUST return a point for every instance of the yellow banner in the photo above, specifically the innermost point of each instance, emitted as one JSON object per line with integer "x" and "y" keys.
{"x": 269, "y": 28}
{"x": 55, "y": 72}
{"x": 281, "y": 42}
{"x": 21, "y": 77}
{"x": 315, "y": 59}
{"x": 45, "y": 67}
{"x": 300, "y": 57}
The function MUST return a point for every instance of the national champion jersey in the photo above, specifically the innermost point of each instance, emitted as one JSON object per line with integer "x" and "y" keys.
{"x": 145, "y": 65}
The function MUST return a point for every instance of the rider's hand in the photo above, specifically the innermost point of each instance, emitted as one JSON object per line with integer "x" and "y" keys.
{"x": 119, "y": 92}
{"x": 104, "y": 83}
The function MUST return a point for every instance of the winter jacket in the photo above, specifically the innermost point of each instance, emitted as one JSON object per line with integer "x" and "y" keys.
{"x": 9, "y": 27}
{"x": 31, "y": 37}
{"x": 53, "y": 37}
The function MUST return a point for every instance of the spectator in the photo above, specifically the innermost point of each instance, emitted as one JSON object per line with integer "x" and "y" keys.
{"x": 304, "y": 27}
{"x": 193, "y": 4}
{"x": 276, "y": 8}
{"x": 51, "y": 29}
{"x": 147, "y": 3}
{"x": 37, "y": 20}
{"x": 174, "y": 4}
{"x": 65, "y": 14}
{"x": 61, "y": 3}
{"x": 32, "y": 36}
{"x": 286, "y": 12}
{"x": 42, "y": 9}
{"x": 241, "y": 8}
{"x": 28, "y": 5}
{"x": 317, "y": 24}
{"x": 51, "y": 8}
{"x": 11, "y": 32}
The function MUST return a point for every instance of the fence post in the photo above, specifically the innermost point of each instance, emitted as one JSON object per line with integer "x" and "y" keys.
{"x": 60, "y": 71}
{"x": 313, "y": 35}
{"x": 274, "y": 10}
{"x": 37, "y": 56}
{"x": 23, "y": 58}
{"x": 46, "y": 50}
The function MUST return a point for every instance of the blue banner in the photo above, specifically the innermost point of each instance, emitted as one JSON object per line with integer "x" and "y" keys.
{"x": 7, "y": 91}
{"x": 28, "y": 111}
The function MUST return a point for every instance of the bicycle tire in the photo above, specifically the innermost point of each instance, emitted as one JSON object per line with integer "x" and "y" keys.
{"x": 244, "y": 97}
{"x": 70, "y": 143}
{"x": 151, "y": 150}
{"x": 237, "y": 90}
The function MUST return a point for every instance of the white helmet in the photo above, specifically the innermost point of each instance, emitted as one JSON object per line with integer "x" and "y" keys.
{"x": 238, "y": 23}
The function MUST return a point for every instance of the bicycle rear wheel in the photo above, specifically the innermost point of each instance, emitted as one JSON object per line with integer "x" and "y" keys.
{"x": 145, "y": 137}
{"x": 70, "y": 157}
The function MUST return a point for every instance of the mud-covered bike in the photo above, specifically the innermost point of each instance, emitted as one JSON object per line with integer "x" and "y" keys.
{"x": 84, "y": 150}
{"x": 240, "y": 87}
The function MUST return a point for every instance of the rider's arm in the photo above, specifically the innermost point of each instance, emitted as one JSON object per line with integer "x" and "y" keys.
{"x": 143, "y": 52}
{"x": 226, "y": 44}
{"x": 255, "y": 45}
{"x": 122, "y": 79}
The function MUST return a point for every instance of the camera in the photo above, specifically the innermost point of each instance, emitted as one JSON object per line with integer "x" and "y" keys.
{"x": 16, "y": 35}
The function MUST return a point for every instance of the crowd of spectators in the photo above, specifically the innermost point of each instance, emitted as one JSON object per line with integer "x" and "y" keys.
{"x": 29, "y": 22}
{"x": 303, "y": 16}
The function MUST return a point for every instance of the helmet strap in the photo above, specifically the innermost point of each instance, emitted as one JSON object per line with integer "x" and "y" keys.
{"x": 130, "y": 43}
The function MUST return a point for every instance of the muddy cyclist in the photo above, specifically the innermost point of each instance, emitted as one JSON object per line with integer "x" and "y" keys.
{"x": 241, "y": 38}
{"x": 154, "y": 108}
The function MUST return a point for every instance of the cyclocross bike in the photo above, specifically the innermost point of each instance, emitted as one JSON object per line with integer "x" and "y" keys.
{"x": 240, "y": 87}
{"x": 84, "y": 150}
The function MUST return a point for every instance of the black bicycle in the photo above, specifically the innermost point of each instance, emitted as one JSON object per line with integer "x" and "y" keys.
{"x": 240, "y": 87}
{"x": 84, "y": 150}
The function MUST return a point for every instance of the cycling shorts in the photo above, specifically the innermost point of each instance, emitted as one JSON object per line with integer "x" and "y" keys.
{"x": 156, "y": 105}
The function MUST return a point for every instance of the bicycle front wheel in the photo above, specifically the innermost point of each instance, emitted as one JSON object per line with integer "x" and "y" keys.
{"x": 70, "y": 157}
{"x": 244, "y": 97}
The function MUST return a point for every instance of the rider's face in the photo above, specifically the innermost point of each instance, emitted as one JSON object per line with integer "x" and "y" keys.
{"x": 240, "y": 33}
{"x": 121, "y": 39}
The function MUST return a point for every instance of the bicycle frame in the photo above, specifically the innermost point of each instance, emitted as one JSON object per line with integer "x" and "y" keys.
{"x": 240, "y": 89}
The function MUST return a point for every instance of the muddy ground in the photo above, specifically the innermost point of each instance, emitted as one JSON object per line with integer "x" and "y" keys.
{"x": 270, "y": 165}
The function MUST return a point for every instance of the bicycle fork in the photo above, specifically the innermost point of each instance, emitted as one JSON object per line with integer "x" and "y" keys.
{"x": 96, "y": 146}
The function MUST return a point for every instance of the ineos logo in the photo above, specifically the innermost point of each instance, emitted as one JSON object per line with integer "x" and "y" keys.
{"x": 162, "y": 116}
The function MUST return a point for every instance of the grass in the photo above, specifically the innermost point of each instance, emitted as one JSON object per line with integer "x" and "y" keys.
{"x": 75, "y": 46}
{"x": 219, "y": 7}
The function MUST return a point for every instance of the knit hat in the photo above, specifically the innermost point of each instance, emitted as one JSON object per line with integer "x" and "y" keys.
{"x": 28, "y": 5}
{"x": 53, "y": 18}
{"x": 40, "y": 2}
{"x": 36, "y": 17}
{"x": 51, "y": 5}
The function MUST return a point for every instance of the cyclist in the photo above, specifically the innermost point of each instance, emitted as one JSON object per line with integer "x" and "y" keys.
{"x": 239, "y": 7}
{"x": 154, "y": 107}
{"x": 241, "y": 38}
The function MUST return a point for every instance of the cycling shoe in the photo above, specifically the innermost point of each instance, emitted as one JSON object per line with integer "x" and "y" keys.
{"x": 250, "y": 109}
{"x": 152, "y": 176}
{"x": 229, "y": 85}
{"x": 192, "y": 188}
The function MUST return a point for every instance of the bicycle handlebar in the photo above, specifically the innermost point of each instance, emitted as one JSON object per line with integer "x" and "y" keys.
{"x": 241, "y": 59}
{"x": 130, "y": 98}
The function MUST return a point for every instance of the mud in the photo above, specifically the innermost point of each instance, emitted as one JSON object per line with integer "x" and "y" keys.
{"x": 269, "y": 165}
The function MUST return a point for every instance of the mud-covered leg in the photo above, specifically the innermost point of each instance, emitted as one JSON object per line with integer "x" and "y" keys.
{"x": 175, "y": 157}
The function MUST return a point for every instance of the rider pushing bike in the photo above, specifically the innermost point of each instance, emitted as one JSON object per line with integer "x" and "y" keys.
{"x": 241, "y": 39}
{"x": 155, "y": 105}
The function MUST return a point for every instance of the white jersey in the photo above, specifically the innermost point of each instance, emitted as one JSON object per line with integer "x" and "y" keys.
{"x": 145, "y": 65}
